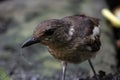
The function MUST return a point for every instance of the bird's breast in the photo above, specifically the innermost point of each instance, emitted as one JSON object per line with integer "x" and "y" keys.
{"x": 71, "y": 56}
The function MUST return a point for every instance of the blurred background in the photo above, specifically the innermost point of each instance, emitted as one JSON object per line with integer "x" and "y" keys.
{"x": 18, "y": 18}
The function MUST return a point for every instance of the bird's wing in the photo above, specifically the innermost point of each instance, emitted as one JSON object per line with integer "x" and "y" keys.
{"x": 89, "y": 31}
{"x": 85, "y": 32}
{"x": 91, "y": 34}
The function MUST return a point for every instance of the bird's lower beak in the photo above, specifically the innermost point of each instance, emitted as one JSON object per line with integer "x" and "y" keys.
{"x": 29, "y": 42}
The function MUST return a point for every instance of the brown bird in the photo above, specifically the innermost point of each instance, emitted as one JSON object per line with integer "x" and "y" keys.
{"x": 72, "y": 39}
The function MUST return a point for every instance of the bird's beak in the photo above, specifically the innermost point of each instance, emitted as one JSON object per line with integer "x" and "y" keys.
{"x": 29, "y": 42}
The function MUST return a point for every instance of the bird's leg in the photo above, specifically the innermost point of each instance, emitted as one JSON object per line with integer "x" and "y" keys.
{"x": 93, "y": 69}
{"x": 64, "y": 65}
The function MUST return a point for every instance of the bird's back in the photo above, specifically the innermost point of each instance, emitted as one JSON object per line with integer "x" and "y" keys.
{"x": 84, "y": 39}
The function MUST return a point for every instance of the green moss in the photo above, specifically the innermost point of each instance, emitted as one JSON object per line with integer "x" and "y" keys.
{"x": 4, "y": 75}
{"x": 52, "y": 64}
{"x": 41, "y": 56}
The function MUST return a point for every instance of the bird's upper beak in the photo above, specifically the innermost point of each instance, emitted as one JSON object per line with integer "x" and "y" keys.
{"x": 29, "y": 42}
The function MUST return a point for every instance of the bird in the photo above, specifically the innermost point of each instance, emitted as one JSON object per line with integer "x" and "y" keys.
{"x": 71, "y": 39}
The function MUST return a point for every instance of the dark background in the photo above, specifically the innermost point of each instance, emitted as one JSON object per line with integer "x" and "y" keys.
{"x": 18, "y": 18}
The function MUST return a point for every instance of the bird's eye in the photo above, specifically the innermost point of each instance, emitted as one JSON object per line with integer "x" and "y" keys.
{"x": 50, "y": 31}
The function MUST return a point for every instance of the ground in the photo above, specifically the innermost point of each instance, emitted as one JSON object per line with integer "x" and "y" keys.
{"x": 17, "y": 21}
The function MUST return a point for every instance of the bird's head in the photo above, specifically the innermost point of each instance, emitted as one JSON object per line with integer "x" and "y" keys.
{"x": 47, "y": 32}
